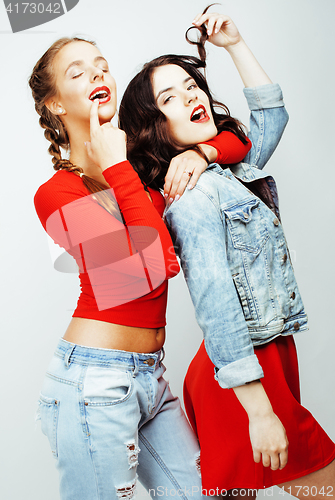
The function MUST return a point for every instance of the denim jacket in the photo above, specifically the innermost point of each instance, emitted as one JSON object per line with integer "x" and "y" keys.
{"x": 233, "y": 250}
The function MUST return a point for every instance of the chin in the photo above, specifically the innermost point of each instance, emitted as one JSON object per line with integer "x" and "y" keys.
{"x": 105, "y": 115}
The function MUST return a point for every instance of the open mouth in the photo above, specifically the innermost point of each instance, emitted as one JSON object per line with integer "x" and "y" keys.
{"x": 101, "y": 93}
{"x": 199, "y": 115}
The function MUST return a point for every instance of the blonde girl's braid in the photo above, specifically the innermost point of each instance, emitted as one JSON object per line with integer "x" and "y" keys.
{"x": 43, "y": 86}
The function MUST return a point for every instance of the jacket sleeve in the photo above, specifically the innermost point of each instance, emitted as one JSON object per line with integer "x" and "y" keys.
{"x": 268, "y": 120}
{"x": 218, "y": 311}
{"x": 97, "y": 239}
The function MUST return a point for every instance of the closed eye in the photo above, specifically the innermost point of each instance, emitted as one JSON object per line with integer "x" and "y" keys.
{"x": 167, "y": 99}
{"x": 77, "y": 76}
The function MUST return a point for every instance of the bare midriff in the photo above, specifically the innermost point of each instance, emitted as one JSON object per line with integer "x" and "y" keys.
{"x": 100, "y": 334}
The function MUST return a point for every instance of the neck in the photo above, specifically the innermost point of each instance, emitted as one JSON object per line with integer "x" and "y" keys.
{"x": 79, "y": 156}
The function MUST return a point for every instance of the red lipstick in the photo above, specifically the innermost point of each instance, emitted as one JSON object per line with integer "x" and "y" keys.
{"x": 101, "y": 93}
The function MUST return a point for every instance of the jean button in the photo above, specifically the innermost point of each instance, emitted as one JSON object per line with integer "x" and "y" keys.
{"x": 293, "y": 295}
{"x": 276, "y": 221}
{"x": 296, "y": 326}
{"x": 285, "y": 257}
{"x": 149, "y": 361}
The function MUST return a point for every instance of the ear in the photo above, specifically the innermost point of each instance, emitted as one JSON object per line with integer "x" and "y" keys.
{"x": 55, "y": 107}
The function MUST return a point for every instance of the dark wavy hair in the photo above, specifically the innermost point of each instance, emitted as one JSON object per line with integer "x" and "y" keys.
{"x": 149, "y": 142}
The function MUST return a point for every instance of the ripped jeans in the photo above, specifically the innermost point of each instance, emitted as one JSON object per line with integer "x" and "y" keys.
{"x": 110, "y": 418}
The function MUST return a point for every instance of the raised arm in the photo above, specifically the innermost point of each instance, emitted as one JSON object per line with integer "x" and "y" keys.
{"x": 268, "y": 114}
{"x": 222, "y": 32}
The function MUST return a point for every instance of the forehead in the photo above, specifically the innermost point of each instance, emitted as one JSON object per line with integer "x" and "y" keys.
{"x": 168, "y": 76}
{"x": 75, "y": 51}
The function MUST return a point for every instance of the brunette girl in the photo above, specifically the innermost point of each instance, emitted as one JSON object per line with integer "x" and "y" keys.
{"x": 108, "y": 412}
{"x": 233, "y": 251}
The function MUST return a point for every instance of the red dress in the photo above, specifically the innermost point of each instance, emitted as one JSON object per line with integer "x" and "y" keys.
{"x": 222, "y": 427}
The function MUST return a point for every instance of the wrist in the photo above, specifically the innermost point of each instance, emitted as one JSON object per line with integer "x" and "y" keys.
{"x": 111, "y": 162}
{"x": 237, "y": 48}
{"x": 254, "y": 400}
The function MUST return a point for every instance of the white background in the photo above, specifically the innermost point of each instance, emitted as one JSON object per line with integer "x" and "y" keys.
{"x": 294, "y": 41}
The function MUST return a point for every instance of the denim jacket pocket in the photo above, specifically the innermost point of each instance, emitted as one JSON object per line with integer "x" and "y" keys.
{"x": 246, "y": 226}
{"x": 48, "y": 410}
{"x": 245, "y": 300}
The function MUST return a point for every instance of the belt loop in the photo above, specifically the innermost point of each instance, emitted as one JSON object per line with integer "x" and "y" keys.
{"x": 163, "y": 356}
{"x": 68, "y": 354}
{"x": 136, "y": 364}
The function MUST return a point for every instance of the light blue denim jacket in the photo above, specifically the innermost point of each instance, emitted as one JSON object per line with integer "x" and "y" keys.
{"x": 233, "y": 250}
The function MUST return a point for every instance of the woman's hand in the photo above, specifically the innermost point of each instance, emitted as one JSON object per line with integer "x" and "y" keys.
{"x": 184, "y": 170}
{"x": 223, "y": 33}
{"x": 269, "y": 441}
{"x": 221, "y": 30}
{"x": 108, "y": 144}
{"x": 267, "y": 434}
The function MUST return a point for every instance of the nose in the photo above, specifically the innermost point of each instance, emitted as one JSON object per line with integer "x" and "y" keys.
{"x": 191, "y": 96}
{"x": 97, "y": 74}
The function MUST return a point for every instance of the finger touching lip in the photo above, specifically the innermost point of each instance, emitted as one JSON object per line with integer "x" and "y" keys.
{"x": 103, "y": 94}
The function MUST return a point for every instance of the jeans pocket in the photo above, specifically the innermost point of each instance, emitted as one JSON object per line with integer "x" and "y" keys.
{"x": 106, "y": 386}
{"x": 48, "y": 411}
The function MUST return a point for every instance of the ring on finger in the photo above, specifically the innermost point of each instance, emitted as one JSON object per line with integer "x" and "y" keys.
{"x": 188, "y": 173}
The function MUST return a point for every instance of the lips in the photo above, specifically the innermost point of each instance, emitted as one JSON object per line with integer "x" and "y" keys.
{"x": 101, "y": 93}
{"x": 199, "y": 115}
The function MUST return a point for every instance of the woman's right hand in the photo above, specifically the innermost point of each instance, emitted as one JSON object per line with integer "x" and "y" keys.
{"x": 269, "y": 441}
{"x": 108, "y": 145}
{"x": 267, "y": 434}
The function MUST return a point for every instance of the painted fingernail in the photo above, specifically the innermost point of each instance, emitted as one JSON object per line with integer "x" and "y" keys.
{"x": 190, "y": 186}
{"x": 177, "y": 197}
{"x": 170, "y": 200}
{"x": 166, "y": 195}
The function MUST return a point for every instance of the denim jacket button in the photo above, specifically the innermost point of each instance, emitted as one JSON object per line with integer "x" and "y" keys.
{"x": 296, "y": 326}
{"x": 276, "y": 221}
{"x": 293, "y": 295}
{"x": 285, "y": 257}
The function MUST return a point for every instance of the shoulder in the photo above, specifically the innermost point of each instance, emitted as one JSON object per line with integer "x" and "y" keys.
{"x": 62, "y": 188}
{"x": 200, "y": 200}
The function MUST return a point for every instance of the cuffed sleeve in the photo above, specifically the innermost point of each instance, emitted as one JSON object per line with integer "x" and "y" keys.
{"x": 239, "y": 372}
{"x": 264, "y": 96}
{"x": 268, "y": 120}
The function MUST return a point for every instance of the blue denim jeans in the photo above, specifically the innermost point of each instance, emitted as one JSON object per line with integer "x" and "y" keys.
{"x": 110, "y": 418}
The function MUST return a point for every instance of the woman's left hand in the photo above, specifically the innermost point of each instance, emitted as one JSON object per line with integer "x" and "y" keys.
{"x": 221, "y": 30}
{"x": 184, "y": 170}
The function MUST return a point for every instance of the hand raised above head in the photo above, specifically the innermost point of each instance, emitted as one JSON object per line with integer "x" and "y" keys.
{"x": 221, "y": 30}
{"x": 108, "y": 144}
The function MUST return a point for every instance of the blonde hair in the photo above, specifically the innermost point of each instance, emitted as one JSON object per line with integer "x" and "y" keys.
{"x": 43, "y": 86}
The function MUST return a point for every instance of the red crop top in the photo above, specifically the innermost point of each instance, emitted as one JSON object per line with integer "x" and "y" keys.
{"x": 123, "y": 268}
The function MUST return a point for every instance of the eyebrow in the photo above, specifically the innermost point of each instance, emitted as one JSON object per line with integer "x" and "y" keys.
{"x": 81, "y": 62}
{"x": 170, "y": 88}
